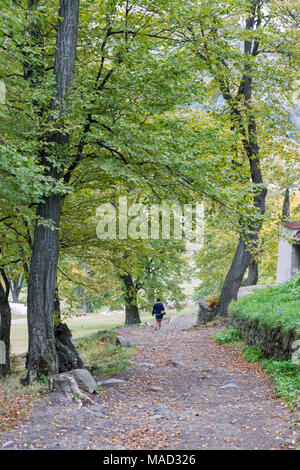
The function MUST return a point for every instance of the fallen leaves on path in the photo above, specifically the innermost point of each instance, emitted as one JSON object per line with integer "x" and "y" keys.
{"x": 183, "y": 391}
{"x": 13, "y": 408}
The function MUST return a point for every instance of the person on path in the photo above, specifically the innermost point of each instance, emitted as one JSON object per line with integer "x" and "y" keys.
{"x": 159, "y": 311}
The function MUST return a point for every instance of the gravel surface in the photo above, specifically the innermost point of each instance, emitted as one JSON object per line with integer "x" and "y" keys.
{"x": 183, "y": 391}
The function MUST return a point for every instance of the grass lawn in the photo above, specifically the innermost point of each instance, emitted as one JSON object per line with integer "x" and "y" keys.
{"x": 86, "y": 325}
{"x": 271, "y": 307}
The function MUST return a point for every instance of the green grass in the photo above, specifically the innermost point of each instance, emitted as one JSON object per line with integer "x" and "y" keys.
{"x": 272, "y": 306}
{"x": 252, "y": 354}
{"x": 98, "y": 351}
{"x": 227, "y": 335}
{"x": 285, "y": 374}
{"x": 103, "y": 356}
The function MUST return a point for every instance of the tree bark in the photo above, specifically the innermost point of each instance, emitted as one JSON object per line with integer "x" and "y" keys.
{"x": 68, "y": 358}
{"x": 132, "y": 316}
{"x": 252, "y": 277}
{"x": 243, "y": 255}
{"x": 234, "y": 277}
{"x": 42, "y": 356}
{"x": 5, "y": 324}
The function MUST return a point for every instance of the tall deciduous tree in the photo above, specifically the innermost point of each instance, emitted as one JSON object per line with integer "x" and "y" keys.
{"x": 237, "y": 44}
{"x": 122, "y": 272}
{"x": 125, "y": 118}
{"x": 42, "y": 356}
{"x": 241, "y": 105}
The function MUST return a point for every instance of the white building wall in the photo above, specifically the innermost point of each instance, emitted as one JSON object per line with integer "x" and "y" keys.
{"x": 284, "y": 262}
{"x": 288, "y": 257}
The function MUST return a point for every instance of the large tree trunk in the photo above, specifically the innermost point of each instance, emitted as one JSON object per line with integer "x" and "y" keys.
{"x": 249, "y": 238}
{"x": 234, "y": 277}
{"x": 42, "y": 357}
{"x": 5, "y": 324}
{"x": 243, "y": 255}
{"x": 132, "y": 316}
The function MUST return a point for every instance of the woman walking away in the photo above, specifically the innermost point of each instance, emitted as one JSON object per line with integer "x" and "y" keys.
{"x": 159, "y": 311}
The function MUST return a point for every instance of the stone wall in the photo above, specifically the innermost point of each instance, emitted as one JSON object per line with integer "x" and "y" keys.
{"x": 205, "y": 313}
{"x": 272, "y": 341}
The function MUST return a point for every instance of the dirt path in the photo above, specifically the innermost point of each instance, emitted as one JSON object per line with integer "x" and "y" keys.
{"x": 207, "y": 397}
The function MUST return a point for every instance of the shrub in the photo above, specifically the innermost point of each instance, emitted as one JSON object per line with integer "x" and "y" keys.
{"x": 285, "y": 374}
{"x": 253, "y": 354}
{"x": 227, "y": 335}
{"x": 213, "y": 301}
{"x": 272, "y": 306}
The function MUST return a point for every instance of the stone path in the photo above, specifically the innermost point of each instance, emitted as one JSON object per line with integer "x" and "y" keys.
{"x": 182, "y": 392}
